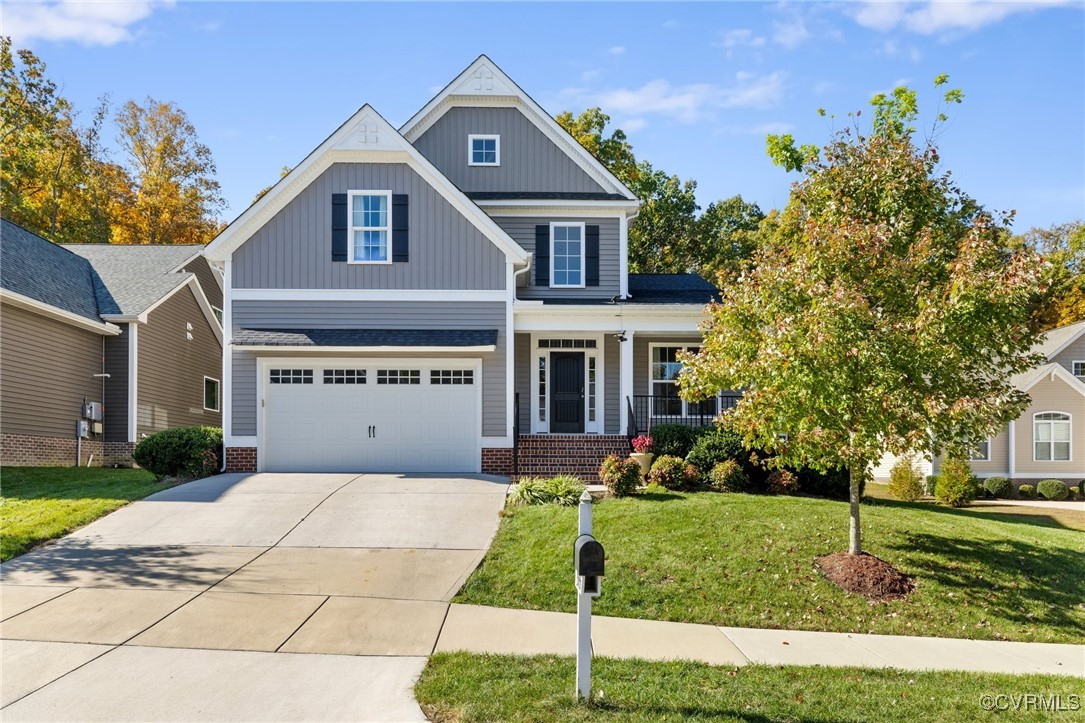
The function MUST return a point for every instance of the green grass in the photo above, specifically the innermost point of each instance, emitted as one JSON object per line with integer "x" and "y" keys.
{"x": 38, "y": 504}
{"x": 468, "y": 687}
{"x": 748, "y": 561}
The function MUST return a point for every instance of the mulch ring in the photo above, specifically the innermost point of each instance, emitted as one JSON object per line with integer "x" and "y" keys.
{"x": 866, "y": 575}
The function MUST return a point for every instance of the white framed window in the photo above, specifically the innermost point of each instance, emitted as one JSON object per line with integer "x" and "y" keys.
{"x": 982, "y": 452}
{"x": 370, "y": 226}
{"x": 566, "y": 255}
{"x": 592, "y": 379}
{"x": 1051, "y": 436}
{"x": 483, "y": 150}
{"x": 542, "y": 387}
{"x": 663, "y": 368}
{"x": 218, "y": 313}
{"x": 1078, "y": 367}
{"x": 211, "y": 394}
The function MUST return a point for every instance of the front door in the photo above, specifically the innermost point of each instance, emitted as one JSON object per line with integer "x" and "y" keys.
{"x": 567, "y": 391}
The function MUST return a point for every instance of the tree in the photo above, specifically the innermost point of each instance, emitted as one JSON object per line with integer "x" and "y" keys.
{"x": 1063, "y": 247}
{"x": 883, "y": 310}
{"x": 726, "y": 237}
{"x": 283, "y": 173}
{"x": 175, "y": 197}
{"x": 614, "y": 151}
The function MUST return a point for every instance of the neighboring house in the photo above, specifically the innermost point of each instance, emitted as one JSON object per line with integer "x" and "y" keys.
{"x": 1048, "y": 440}
{"x": 451, "y": 296}
{"x": 128, "y": 327}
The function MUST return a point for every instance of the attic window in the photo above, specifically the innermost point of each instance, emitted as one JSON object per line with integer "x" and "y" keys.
{"x": 483, "y": 150}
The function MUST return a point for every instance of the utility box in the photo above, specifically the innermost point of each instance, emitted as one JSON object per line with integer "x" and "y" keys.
{"x": 93, "y": 411}
{"x": 97, "y": 427}
{"x": 82, "y": 429}
{"x": 589, "y": 561}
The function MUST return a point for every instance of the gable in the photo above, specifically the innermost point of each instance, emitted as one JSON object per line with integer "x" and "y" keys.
{"x": 530, "y": 162}
{"x": 1073, "y": 352}
{"x": 292, "y": 250}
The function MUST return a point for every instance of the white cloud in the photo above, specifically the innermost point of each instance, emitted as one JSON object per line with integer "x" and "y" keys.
{"x": 88, "y": 23}
{"x": 739, "y": 38}
{"x": 617, "y": 50}
{"x": 632, "y": 125}
{"x": 790, "y": 33}
{"x": 686, "y": 103}
{"x": 932, "y": 17}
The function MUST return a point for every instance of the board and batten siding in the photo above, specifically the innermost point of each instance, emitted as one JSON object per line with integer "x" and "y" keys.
{"x": 522, "y": 380}
{"x": 522, "y": 230}
{"x": 208, "y": 281}
{"x": 529, "y": 160}
{"x": 47, "y": 367}
{"x": 171, "y": 367}
{"x": 116, "y": 387}
{"x": 293, "y": 249}
{"x": 370, "y": 315}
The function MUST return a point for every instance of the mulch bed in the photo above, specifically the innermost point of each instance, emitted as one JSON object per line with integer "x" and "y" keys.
{"x": 866, "y": 575}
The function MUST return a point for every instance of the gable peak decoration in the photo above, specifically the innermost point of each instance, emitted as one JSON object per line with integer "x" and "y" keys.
{"x": 369, "y": 132}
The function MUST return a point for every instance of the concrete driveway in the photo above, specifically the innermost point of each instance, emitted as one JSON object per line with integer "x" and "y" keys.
{"x": 245, "y": 597}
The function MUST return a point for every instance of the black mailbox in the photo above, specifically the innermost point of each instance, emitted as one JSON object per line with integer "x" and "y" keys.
{"x": 588, "y": 557}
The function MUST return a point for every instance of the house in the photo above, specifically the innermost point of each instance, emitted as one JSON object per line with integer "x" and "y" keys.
{"x": 131, "y": 328}
{"x": 1048, "y": 440}
{"x": 450, "y": 296}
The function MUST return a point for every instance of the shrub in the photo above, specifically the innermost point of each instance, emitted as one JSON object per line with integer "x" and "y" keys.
{"x": 642, "y": 444}
{"x": 727, "y": 476}
{"x": 673, "y": 473}
{"x": 654, "y": 489}
{"x": 998, "y": 487}
{"x": 621, "y": 475}
{"x": 715, "y": 446}
{"x": 563, "y": 490}
{"x": 192, "y": 452}
{"x": 931, "y": 484}
{"x": 674, "y": 439}
{"x": 1081, "y": 488}
{"x": 1052, "y": 489}
{"x": 1026, "y": 491}
{"x": 956, "y": 485}
{"x": 834, "y": 484}
{"x": 905, "y": 480}
{"x": 782, "y": 482}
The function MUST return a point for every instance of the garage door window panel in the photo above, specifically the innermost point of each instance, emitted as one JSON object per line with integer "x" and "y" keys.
{"x": 291, "y": 376}
{"x": 344, "y": 376}
{"x": 399, "y": 376}
{"x": 451, "y": 376}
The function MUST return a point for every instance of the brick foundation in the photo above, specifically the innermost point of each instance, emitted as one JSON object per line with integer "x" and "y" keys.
{"x": 545, "y": 455}
{"x": 241, "y": 459}
{"x": 497, "y": 461}
{"x": 26, "y": 450}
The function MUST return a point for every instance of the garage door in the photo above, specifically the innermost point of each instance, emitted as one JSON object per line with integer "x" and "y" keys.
{"x": 371, "y": 417}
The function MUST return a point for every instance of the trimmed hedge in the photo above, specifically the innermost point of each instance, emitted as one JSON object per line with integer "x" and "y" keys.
{"x": 999, "y": 487}
{"x": 674, "y": 439}
{"x": 191, "y": 452}
{"x": 674, "y": 473}
{"x": 1052, "y": 489}
{"x": 1027, "y": 492}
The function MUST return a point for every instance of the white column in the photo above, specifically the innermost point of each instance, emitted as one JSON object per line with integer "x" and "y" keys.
{"x": 626, "y": 379}
{"x": 1013, "y": 449}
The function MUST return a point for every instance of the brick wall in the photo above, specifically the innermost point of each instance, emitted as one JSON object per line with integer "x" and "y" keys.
{"x": 241, "y": 459}
{"x": 24, "y": 450}
{"x": 545, "y": 455}
{"x": 497, "y": 461}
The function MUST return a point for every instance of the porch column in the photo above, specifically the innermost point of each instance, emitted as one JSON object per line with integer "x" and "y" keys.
{"x": 626, "y": 381}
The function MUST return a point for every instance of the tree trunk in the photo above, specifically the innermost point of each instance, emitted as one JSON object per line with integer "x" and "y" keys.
{"x": 855, "y": 543}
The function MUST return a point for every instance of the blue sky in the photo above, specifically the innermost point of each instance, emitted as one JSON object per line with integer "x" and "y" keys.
{"x": 696, "y": 86}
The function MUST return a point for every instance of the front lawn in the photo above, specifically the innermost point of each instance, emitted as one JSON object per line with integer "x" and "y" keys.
{"x": 465, "y": 687}
{"x": 38, "y": 504}
{"x": 748, "y": 561}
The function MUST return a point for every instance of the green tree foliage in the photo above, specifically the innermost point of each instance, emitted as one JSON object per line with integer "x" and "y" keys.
{"x": 1062, "y": 301}
{"x": 883, "y": 310}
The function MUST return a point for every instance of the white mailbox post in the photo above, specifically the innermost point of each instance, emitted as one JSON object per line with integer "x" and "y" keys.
{"x": 588, "y": 560}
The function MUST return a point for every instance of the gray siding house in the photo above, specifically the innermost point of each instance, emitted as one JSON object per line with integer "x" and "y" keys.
{"x": 449, "y": 296}
{"x": 132, "y": 328}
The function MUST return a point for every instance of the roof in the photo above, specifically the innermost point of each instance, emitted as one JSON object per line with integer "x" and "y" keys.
{"x": 1026, "y": 380}
{"x": 135, "y": 277}
{"x": 366, "y": 337}
{"x": 671, "y": 289}
{"x": 1056, "y": 340}
{"x": 41, "y": 270}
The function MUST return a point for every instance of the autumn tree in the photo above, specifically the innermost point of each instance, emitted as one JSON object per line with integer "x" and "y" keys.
{"x": 1062, "y": 300}
{"x": 883, "y": 310}
{"x": 175, "y": 197}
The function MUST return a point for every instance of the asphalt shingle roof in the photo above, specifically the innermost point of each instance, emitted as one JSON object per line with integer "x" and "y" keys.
{"x": 134, "y": 277}
{"x": 37, "y": 268}
{"x": 365, "y": 337}
{"x": 1057, "y": 338}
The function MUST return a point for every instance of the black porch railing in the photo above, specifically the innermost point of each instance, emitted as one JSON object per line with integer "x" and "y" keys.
{"x": 651, "y": 410}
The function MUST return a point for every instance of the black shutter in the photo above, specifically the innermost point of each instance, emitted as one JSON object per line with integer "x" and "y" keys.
{"x": 339, "y": 227}
{"x": 399, "y": 227}
{"x": 542, "y": 254}
{"x": 591, "y": 255}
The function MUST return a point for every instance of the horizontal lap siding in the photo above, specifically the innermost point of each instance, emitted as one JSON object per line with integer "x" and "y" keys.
{"x": 116, "y": 387}
{"x": 208, "y": 281}
{"x": 171, "y": 368}
{"x": 372, "y": 315}
{"x": 293, "y": 249}
{"x": 612, "y": 365}
{"x": 530, "y": 161}
{"x": 47, "y": 367}
{"x": 522, "y": 230}
{"x": 1052, "y": 395}
{"x": 522, "y": 379}
{"x": 1074, "y": 352}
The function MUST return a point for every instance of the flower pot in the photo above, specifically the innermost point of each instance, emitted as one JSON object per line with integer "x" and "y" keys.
{"x": 644, "y": 459}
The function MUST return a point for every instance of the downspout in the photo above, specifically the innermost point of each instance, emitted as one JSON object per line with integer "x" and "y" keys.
{"x": 524, "y": 270}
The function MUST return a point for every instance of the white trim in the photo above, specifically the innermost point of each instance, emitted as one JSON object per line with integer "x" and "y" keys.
{"x": 1051, "y": 370}
{"x": 986, "y": 458}
{"x": 1069, "y": 421}
{"x": 625, "y": 380}
{"x": 537, "y": 426}
{"x": 218, "y": 394}
{"x": 318, "y": 350}
{"x": 364, "y": 138}
{"x": 55, "y": 312}
{"x": 1075, "y": 362}
{"x": 497, "y": 442}
{"x": 1013, "y": 447}
{"x": 227, "y": 352}
{"x": 583, "y": 253}
{"x": 398, "y": 295}
{"x": 484, "y": 84}
{"x": 263, "y": 363}
{"x": 472, "y": 137}
{"x": 510, "y": 350}
{"x": 526, "y": 207}
{"x": 241, "y": 441}
{"x": 197, "y": 292}
{"x": 652, "y": 346}
{"x": 133, "y": 379}
{"x": 623, "y": 257}
{"x": 387, "y": 228}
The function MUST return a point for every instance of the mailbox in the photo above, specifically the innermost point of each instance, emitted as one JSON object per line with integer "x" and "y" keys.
{"x": 588, "y": 561}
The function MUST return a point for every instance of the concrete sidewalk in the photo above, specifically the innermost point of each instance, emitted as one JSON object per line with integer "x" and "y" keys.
{"x": 530, "y": 632}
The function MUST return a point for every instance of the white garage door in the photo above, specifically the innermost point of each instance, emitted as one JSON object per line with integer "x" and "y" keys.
{"x": 371, "y": 416}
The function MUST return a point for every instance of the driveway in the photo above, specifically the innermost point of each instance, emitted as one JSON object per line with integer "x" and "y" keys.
{"x": 245, "y": 597}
